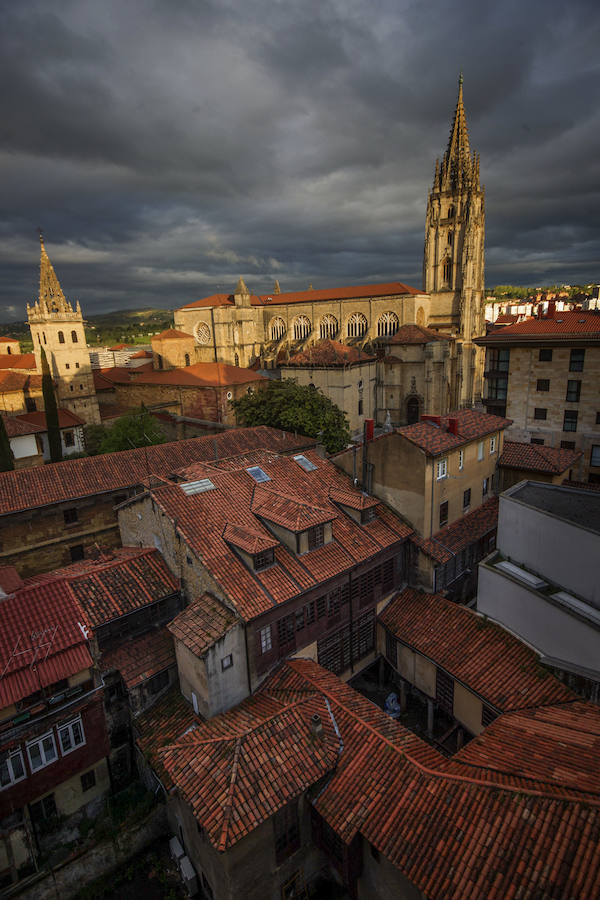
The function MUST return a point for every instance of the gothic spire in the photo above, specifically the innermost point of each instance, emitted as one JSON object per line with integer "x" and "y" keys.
{"x": 458, "y": 167}
{"x": 51, "y": 297}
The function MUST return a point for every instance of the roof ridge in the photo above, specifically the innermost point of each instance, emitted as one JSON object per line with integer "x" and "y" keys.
{"x": 228, "y": 805}
{"x": 494, "y": 785}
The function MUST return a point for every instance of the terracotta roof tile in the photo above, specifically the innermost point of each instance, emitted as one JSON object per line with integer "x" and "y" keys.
{"x": 42, "y": 639}
{"x": 291, "y": 512}
{"x": 16, "y": 428}
{"x": 198, "y": 375}
{"x": 201, "y": 624}
{"x": 101, "y": 383}
{"x": 388, "y": 289}
{"x": 8, "y": 340}
{"x": 172, "y": 334}
{"x": 485, "y": 657}
{"x": 17, "y": 361}
{"x": 142, "y": 354}
{"x": 456, "y": 537}
{"x": 68, "y": 480}
{"x": 415, "y": 334}
{"x": 248, "y": 539}
{"x": 435, "y": 438}
{"x": 66, "y": 419}
{"x": 329, "y": 353}
{"x": 19, "y": 381}
{"x": 140, "y": 658}
{"x": 561, "y": 326}
{"x": 354, "y": 499}
{"x": 10, "y": 580}
{"x": 168, "y": 719}
{"x": 537, "y": 458}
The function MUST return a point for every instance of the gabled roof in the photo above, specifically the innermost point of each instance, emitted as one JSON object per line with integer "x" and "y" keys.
{"x": 435, "y": 438}
{"x": 415, "y": 334}
{"x": 17, "y": 361}
{"x": 139, "y": 658}
{"x": 198, "y": 375}
{"x": 142, "y": 354}
{"x": 454, "y": 538}
{"x": 537, "y": 458}
{"x": 68, "y": 480}
{"x": 66, "y": 419}
{"x": 19, "y": 381}
{"x": 16, "y": 428}
{"x": 485, "y": 657}
{"x": 388, "y": 289}
{"x": 42, "y": 639}
{"x": 560, "y": 327}
{"x": 172, "y": 334}
{"x": 108, "y": 588}
{"x": 329, "y": 353}
{"x": 201, "y": 624}
{"x": 8, "y": 340}
{"x": 358, "y": 500}
{"x": 559, "y": 744}
{"x": 238, "y": 769}
{"x": 167, "y": 720}
{"x": 296, "y": 497}
{"x": 248, "y": 539}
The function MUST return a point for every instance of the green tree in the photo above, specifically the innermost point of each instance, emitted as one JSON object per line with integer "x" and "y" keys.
{"x": 139, "y": 429}
{"x": 7, "y": 460}
{"x": 93, "y": 435}
{"x": 293, "y": 407}
{"x": 54, "y": 441}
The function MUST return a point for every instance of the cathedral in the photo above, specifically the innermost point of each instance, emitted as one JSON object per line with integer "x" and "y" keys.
{"x": 267, "y": 330}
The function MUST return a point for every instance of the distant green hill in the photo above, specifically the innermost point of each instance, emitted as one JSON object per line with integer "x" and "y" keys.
{"x": 130, "y": 326}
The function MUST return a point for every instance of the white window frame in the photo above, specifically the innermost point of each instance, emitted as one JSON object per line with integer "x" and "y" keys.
{"x": 227, "y": 662}
{"x": 442, "y": 468}
{"x": 266, "y": 639}
{"x": 493, "y": 441}
{"x": 69, "y": 729}
{"x": 11, "y": 774}
{"x": 461, "y": 459}
{"x": 40, "y": 741}
{"x": 485, "y": 487}
{"x": 480, "y": 452}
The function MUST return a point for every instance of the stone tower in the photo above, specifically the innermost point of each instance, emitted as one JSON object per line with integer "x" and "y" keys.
{"x": 56, "y": 327}
{"x": 453, "y": 263}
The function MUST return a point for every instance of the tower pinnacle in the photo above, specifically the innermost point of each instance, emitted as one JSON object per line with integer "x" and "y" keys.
{"x": 458, "y": 166}
{"x": 51, "y": 297}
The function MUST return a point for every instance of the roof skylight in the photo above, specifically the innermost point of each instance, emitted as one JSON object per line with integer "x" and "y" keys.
{"x": 306, "y": 464}
{"x": 197, "y": 487}
{"x": 258, "y": 474}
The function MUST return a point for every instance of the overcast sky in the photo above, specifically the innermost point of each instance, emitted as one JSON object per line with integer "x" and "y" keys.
{"x": 166, "y": 148}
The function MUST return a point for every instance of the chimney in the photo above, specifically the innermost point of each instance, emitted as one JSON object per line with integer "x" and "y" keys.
{"x": 316, "y": 726}
{"x": 453, "y": 426}
{"x": 551, "y": 309}
{"x": 435, "y": 420}
{"x": 369, "y": 429}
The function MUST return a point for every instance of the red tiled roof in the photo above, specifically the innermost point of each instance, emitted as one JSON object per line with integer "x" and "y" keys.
{"x": 8, "y": 340}
{"x": 16, "y": 428}
{"x": 239, "y": 768}
{"x": 248, "y": 539}
{"x": 558, "y": 744}
{"x": 109, "y": 588}
{"x": 121, "y": 346}
{"x": 456, "y": 537}
{"x": 202, "y": 517}
{"x": 415, "y": 334}
{"x": 205, "y": 621}
{"x": 101, "y": 383}
{"x": 488, "y": 660}
{"x": 561, "y": 326}
{"x": 329, "y": 353}
{"x": 172, "y": 334}
{"x": 10, "y": 580}
{"x": 142, "y": 354}
{"x": 66, "y": 419}
{"x": 435, "y": 439}
{"x": 68, "y": 480}
{"x": 19, "y": 381}
{"x": 42, "y": 639}
{"x": 139, "y": 658}
{"x": 199, "y": 375}
{"x": 17, "y": 361}
{"x": 354, "y": 499}
{"x": 389, "y": 289}
{"x": 537, "y": 458}
{"x": 114, "y": 411}
{"x": 167, "y": 720}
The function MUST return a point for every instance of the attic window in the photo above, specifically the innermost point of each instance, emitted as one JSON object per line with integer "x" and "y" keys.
{"x": 367, "y": 515}
{"x": 306, "y": 464}
{"x": 197, "y": 487}
{"x": 264, "y": 559}
{"x": 316, "y": 537}
{"x": 258, "y": 474}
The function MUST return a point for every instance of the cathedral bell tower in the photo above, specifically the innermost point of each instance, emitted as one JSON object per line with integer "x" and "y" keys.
{"x": 58, "y": 328}
{"x": 453, "y": 263}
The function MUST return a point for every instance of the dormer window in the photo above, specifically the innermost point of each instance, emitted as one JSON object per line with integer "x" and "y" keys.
{"x": 316, "y": 536}
{"x": 264, "y": 559}
{"x": 367, "y": 515}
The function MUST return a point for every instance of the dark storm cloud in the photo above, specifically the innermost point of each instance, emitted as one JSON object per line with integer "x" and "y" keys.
{"x": 168, "y": 147}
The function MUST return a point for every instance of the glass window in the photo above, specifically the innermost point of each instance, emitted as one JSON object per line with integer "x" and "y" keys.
{"x": 595, "y": 455}
{"x": 11, "y": 769}
{"x": 264, "y": 559}
{"x": 70, "y": 516}
{"x": 545, "y": 356}
{"x": 486, "y": 486}
{"x": 497, "y": 388}
{"x": 576, "y": 360}
{"x": 493, "y": 444}
{"x": 442, "y": 469}
{"x": 227, "y": 662}
{"x": 537, "y": 441}
{"x": 71, "y": 736}
{"x": 570, "y": 420}
{"x": 567, "y": 445}
{"x": 480, "y": 450}
{"x": 41, "y": 752}
{"x": 88, "y": 781}
{"x": 539, "y": 413}
{"x": 265, "y": 639}
{"x": 316, "y": 537}
{"x": 461, "y": 459}
{"x": 467, "y": 498}
{"x": 61, "y": 337}
{"x": 573, "y": 391}
{"x": 443, "y": 513}
{"x": 543, "y": 384}
{"x": 74, "y": 337}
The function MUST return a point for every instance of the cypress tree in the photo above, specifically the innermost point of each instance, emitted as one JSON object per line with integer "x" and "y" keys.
{"x": 54, "y": 441}
{"x": 7, "y": 460}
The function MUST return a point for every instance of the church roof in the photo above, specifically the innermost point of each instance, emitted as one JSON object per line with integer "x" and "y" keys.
{"x": 329, "y": 353}
{"x": 415, "y": 334}
{"x": 172, "y": 334}
{"x": 17, "y": 361}
{"x": 387, "y": 289}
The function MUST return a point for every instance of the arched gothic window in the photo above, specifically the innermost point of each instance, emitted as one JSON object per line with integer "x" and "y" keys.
{"x": 202, "y": 333}
{"x": 277, "y": 328}
{"x": 387, "y": 324}
{"x": 328, "y": 327}
{"x": 451, "y": 212}
{"x": 61, "y": 337}
{"x": 447, "y": 271}
{"x": 356, "y": 326}
{"x": 412, "y": 410}
{"x": 302, "y": 328}
{"x": 74, "y": 337}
